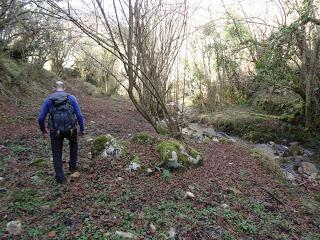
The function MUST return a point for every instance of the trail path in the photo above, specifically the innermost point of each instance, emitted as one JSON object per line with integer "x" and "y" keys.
{"x": 234, "y": 194}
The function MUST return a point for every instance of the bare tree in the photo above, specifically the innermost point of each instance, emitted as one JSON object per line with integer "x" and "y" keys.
{"x": 146, "y": 36}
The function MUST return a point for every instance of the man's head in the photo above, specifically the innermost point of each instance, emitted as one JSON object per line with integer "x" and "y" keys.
{"x": 59, "y": 86}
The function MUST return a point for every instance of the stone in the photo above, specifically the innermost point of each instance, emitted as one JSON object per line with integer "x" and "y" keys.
{"x": 307, "y": 153}
{"x": 119, "y": 178}
{"x": 296, "y": 150}
{"x": 125, "y": 234}
{"x": 265, "y": 150}
{"x": 134, "y": 166}
{"x": 90, "y": 140}
{"x": 224, "y": 205}
{"x": 172, "y": 233}
{"x": 175, "y": 155}
{"x": 1, "y": 179}
{"x": 289, "y": 176}
{"x": 35, "y": 179}
{"x": 215, "y": 139}
{"x": 149, "y": 171}
{"x": 14, "y": 228}
{"x": 52, "y": 234}
{"x": 308, "y": 168}
{"x": 233, "y": 191}
{"x": 281, "y": 150}
{"x": 189, "y": 195}
{"x": 153, "y": 228}
{"x": 106, "y": 146}
{"x": 75, "y": 175}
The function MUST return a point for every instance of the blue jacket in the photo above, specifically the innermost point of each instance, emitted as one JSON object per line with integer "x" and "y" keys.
{"x": 47, "y": 106}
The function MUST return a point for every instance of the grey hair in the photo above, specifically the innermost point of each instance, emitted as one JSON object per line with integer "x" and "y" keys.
{"x": 59, "y": 84}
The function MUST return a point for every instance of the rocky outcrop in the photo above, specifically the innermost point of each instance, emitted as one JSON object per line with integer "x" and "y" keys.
{"x": 106, "y": 146}
{"x": 175, "y": 155}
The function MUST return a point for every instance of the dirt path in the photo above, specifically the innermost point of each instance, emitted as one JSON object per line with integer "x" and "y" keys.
{"x": 231, "y": 188}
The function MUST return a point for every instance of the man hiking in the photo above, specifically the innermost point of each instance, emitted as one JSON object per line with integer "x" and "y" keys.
{"x": 63, "y": 110}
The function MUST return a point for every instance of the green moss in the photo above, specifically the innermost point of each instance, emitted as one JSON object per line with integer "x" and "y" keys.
{"x": 39, "y": 162}
{"x": 194, "y": 153}
{"x": 99, "y": 144}
{"x": 143, "y": 138}
{"x": 167, "y": 147}
{"x": 161, "y": 130}
{"x": 136, "y": 159}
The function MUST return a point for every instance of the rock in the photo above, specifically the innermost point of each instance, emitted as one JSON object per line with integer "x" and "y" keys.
{"x": 125, "y": 234}
{"x": 307, "y": 153}
{"x": 45, "y": 207}
{"x": 149, "y": 171}
{"x": 289, "y": 176}
{"x": 134, "y": 166}
{"x": 172, "y": 233}
{"x": 106, "y": 146}
{"x": 174, "y": 155}
{"x": 119, "y": 178}
{"x": 296, "y": 150}
{"x": 2, "y": 190}
{"x": 186, "y": 131}
{"x": 90, "y": 139}
{"x": 233, "y": 191}
{"x": 75, "y": 175}
{"x": 281, "y": 150}
{"x": 215, "y": 139}
{"x": 1, "y": 179}
{"x": 52, "y": 234}
{"x": 189, "y": 195}
{"x": 224, "y": 205}
{"x": 35, "y": 179}
{"x": 265, "y": 150}
{"x": 14, "y": 228}
{"x": 153, "y": 228}
{"x": 308, "y": 169}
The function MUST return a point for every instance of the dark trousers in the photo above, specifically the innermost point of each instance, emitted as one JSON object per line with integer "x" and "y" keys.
{"x": 57, "y": 146}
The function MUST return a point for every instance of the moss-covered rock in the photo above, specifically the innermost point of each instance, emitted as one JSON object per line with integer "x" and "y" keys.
{"x": 175, "y": 155}
{"x": 99, "y": 144}
{"x": 106, "y": 146}
{"x": 143, "y": 138}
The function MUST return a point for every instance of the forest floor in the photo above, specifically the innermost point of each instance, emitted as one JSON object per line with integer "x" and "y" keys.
{"x": 235, "y": 195}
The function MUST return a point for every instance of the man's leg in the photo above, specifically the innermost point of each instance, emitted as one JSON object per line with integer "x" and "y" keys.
{"x": 73, "y": 143}
{"x": 56, "y": 146}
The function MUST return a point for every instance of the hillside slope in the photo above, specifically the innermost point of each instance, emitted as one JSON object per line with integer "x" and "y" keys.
{"x": 233, "y": 195}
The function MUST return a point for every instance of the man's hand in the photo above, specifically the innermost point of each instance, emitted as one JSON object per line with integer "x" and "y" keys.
{"x": 45, "y": 132}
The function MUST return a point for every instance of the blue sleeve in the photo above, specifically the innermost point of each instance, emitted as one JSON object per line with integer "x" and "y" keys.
{"x": 43, "y": 114}
{"x": 77, "y": 111}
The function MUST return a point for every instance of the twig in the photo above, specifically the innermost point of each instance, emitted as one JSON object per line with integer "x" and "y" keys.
{"x": 272, "y": 195}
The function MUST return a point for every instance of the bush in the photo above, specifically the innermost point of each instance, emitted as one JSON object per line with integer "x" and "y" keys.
{"x": 91, "y": 89}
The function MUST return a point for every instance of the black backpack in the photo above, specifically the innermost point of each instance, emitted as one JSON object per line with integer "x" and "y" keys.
{"x": 62, "y": 116}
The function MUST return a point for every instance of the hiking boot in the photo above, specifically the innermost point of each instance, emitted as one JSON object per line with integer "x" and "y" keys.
{"x": 73, "y": 169}
{"x": 61, "y": 180}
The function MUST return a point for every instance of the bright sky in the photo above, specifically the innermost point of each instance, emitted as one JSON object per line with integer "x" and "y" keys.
{"x": 213, "y": 9}
{"x": 264, "y": 9}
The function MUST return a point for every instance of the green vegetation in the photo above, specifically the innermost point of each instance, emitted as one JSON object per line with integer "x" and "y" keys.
{"x": 99, "y": 144}
{"x": 175, "y": 155}
{"x": 25, "y": 200}
{"x": 143, "y": 138}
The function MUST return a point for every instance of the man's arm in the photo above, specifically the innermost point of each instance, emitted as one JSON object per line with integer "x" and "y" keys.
{"x": 43, "y": 114}
{"x": 78, "y": 113}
